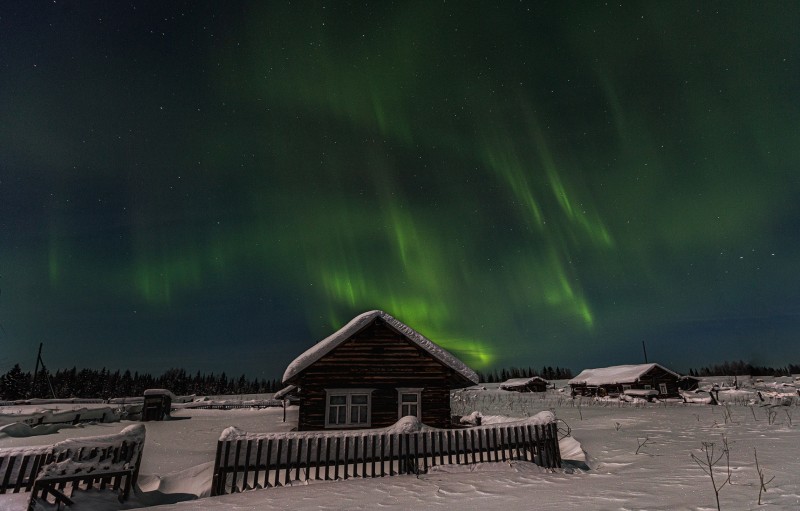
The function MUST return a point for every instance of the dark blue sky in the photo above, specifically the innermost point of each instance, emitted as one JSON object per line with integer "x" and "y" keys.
{"x": 218, "y": 186}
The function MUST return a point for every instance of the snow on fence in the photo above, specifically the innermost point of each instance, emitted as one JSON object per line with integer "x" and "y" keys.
{"x": 248, "y": 461}
{"x": 110, "y": 461}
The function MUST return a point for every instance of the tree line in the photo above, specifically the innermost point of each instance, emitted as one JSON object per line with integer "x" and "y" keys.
{"x": 104, "y": 384}
{"x": 742, "y": 368}
{"x": 547, "y": 372}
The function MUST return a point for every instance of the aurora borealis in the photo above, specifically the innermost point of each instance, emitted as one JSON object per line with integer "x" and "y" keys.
{"x": 217, "y": 186}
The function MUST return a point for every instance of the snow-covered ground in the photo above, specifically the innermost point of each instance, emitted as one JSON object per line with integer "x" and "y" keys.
{"x": 178, "y": 454}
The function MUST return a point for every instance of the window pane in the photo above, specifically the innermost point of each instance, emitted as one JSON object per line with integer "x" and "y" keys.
{"x": 332, "y": 416}
{"x": 409, "y": 398}
{"x": 338, "y": 400}
{"x": 358, "y": 399}
{"x": 412, "y": 410}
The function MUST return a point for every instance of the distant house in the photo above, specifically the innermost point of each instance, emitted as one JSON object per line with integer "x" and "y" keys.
{"x": 534, "y": 384}
{"x": 688, "y": 383}
{"x": 617, "y": 380}
{"x": 373, "y": 371}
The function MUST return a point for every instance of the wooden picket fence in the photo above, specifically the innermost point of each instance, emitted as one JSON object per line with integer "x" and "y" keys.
{"x": 271, "y": 460}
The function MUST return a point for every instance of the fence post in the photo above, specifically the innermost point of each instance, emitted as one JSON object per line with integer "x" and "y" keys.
{"x": 268, "y": 467}
{"x": 346, "y": 457}
{"x": 260, "y": 446}
{"x": 245, "y": 486}
{"x": 215, "y": 476}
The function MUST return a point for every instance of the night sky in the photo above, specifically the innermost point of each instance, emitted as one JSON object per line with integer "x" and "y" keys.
{"x": 218, "y": 186}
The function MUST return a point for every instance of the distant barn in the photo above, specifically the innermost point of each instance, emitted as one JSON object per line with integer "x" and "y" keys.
{"x": 616, "y": 380}
{"x": 373, "y": 371}
{"x": 533, "y": 384}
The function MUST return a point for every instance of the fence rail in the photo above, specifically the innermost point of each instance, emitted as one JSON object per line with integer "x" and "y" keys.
{"x": 277, "y": 460}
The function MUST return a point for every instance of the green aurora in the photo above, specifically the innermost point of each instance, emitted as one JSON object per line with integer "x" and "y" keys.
{"x": 530, "y": 184}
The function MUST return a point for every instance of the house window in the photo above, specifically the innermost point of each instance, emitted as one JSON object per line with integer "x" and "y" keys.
{"x": 626, "y": 387}
{"x": 348, "y": 408}
{"x": 662, "y": 388}
{"x": 409, "y": 402}
{"x": 647, "y": 387}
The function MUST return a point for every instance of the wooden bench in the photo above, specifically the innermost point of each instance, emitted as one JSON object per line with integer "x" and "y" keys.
{"x": 52, "y": 473}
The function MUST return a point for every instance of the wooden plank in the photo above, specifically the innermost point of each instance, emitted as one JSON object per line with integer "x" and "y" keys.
{"x": 225, "y": 469}
{"x": 256, "y": 468}
{"x": 235, "y": 479}
{"x": 383, "y": 455}
{"x": 21, "y": 475}
{"x": 392, "y": 439}
{"x": 336, "y": 459}
{"x": 373, "y": 453}
{"x": 355, "y": 456}
{"x": 288, "y": 466}
{"x": 440, "y": 434}
{"x": 308, "y": 458}
{"x": 269, "y": 466}
{"x": 327, "y": 456}
{"x": 364, "y": 459}
{"x": 9, "y": 467}
{"x": 450, "y": 447}
{"x": 247, "y": 464}
{"x": 319, "y": 459}
{"x": 346, "y": 457}
{"x": 425, "y": 452}
{"x": 298, "y": 459}
{"x": 278, "y": 462}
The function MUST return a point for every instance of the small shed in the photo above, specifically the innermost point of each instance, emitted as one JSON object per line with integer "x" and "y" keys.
{"x": 157, "y": 404}
{"x": 688, "y": 383}
{"x": 615, "y": 380}
{"x": 373, "y": 371}
{"x": 533, "y": 384}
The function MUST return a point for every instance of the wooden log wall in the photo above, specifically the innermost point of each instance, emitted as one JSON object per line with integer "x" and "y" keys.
{"x": 272, "y": 461}
{"x": 382, "y": 359}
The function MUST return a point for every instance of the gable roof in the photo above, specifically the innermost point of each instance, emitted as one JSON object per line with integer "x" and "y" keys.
{"x": 615, "y": 374}
{"x": 519, "y": 382}
{"x": 361, "y": 321}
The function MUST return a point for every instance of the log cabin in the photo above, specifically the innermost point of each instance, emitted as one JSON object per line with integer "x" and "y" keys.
{"x": 373, "y": 371}
{"x": 533, "y": 384}
{"x": 615, "y": 380}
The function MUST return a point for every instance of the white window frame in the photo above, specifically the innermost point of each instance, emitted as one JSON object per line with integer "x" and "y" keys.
{"x": 662, "y": 388}
{"x": 648, "y": 387}
{"x": 626, "y": 387}
{"x": 348, "y": 394}
{"x": 417, "y": 392}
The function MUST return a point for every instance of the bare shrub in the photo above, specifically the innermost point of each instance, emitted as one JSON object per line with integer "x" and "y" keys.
{"x": 709, "y": 460}
{"x": 762, "y": 484}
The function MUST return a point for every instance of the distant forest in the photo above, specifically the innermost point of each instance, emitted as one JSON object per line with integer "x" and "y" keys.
{"x": 103, "y": 384}
{"x": 547, "y": 372}
{"x": 743, "y": 368}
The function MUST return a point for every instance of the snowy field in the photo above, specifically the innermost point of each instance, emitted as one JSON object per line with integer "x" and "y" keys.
{"x": 662, "y": 475}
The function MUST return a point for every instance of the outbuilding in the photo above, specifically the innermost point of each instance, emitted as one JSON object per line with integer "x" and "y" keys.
{"x": 373, "y": 371}
{"x": 615, "y": 380}
{"x": 533, "y": 384}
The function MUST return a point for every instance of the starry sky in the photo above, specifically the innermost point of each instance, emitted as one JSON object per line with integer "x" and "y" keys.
{"x": 219, "y": 185}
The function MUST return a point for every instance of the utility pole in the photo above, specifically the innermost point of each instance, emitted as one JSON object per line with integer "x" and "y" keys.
{"x": 644, "y": 348}
{"x": 44, "y": 370}
{"x": 36, "y": 370}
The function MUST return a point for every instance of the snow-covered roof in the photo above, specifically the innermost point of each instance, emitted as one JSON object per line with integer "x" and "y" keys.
{"x": 326, "y": 345}
{"x": 159, "y": 392}
{"x": 519, "y": 382}
{"x": 615, "y": 374}
{"x": 285, "y": 391}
